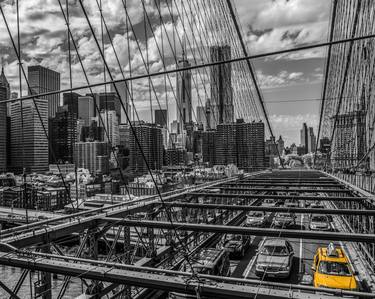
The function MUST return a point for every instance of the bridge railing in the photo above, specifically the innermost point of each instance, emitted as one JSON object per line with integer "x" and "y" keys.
{"x": 361, "y": 180}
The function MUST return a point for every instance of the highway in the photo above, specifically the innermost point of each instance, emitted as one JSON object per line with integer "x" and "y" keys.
{"x": 304, "y": 251}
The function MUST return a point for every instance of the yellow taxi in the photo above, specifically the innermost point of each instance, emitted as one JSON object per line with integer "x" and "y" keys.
{"x": 332, "y": 269}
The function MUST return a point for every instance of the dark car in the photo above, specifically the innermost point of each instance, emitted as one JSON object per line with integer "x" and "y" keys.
{"x": 236, "y": 245}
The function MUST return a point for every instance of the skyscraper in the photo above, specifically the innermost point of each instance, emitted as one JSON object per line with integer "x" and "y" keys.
{"x": 222, "y": 109}
{"x": 93, "y": 156}
{"x": 161, "y": 117}
{"x": 124, "y": 94}
{"x": 70, "y": 100}
{"x": 151, "y": 141}
{"x": 109, "y": 101}
{"x": 311, "y": 145}
{"x": 42, "y": 80}
{"x": 304, "y": 137}
{"x": 208, "y": 147}
{"x": 111, "y": 125}
{"x": 242, "y": 144}
{"x": 3, "y": 130}
{"x": 86, "y": 109}
{"x": 183, "y": 104}
{"x": 308, "y": 139}
{"x": 280, "y": 145}
{"x": 4, "y": 95}
{"x": 31, "y": 149}
{"x": 225, "y": 144}
{"x": 63, "y": 135}
{"x": 201, "y": 116}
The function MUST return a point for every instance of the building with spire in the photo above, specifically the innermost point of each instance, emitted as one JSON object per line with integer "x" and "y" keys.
{"x": 222, "y": 108}
{"x": 4, "y": 95}
{"x": 184, "y": 104}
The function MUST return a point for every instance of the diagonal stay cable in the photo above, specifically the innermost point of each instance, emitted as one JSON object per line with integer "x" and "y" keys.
{"x": 326, "y": 73}
{"x": 130, "y": 124}
{"x": 252, "y": 73}
{"x": 193, "y": 67}
{"x": 91, "y": 91}
{"x": 45, "y": 131}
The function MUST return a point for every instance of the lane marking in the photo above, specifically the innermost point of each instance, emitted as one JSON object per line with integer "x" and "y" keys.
{"x": 301, "y": 248}
{"x": 249, "y": 267}
{"x": 252, "y": 261}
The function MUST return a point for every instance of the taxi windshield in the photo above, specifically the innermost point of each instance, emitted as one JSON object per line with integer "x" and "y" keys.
{"x": 334, "y": 268}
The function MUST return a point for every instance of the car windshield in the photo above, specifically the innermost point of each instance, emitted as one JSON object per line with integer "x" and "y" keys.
{"x": 284, "y": 215}
{"x": 269, "y": 201}
{"x": 256, "y": 214}
{"x": 274, "y": 250}
{"x": 319, "y": 219}
{"x": 334, "y": 268}
{"x": 233, "y": 237}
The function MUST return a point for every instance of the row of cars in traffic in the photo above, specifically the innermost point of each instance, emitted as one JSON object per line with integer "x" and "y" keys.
{"x": 317, "y": 222}
{"x": 331, "y": 266}
{"x": 274, "y": 256}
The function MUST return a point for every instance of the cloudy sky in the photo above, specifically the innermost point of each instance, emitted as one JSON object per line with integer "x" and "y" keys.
{"x": 291, "y": 84}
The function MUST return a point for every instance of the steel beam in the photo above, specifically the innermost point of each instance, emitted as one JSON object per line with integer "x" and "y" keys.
{"x": 273, "y": 209}
{"x": 161, "y": 279}
{"x": 283, "y": 184}
{"x": 281, "y": 180}
{"x": 240, "y": 230}
{"x": 61, "y": 264}
{"x": 260, "y": 196}
{"x": 322, "y": 190}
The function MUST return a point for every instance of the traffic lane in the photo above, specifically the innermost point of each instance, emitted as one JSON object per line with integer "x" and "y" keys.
{"x": 251, "y": 252}
{"x": 304, "y": 251}
{"x": 245, "y": 261}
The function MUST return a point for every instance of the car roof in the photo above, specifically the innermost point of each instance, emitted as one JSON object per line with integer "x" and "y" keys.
{"x": 319, "y": 215}
{"x": 207, "y": 257}
{"x": 274, "y": 242}
{"x": 255, "y": 212}
{"x": 284, "y": 213}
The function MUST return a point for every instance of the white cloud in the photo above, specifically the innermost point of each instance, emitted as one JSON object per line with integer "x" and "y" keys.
{"x": 281, "y": 79}
{"x": 289, "y": 126}
{"x": 283, "y": 24}
{"x": 295, "y": 75}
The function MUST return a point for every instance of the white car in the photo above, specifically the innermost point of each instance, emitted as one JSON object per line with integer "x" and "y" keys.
{"x": 320, "y": 222}
{"x": 268, "y": 202}
{"x": 256, "y": 219}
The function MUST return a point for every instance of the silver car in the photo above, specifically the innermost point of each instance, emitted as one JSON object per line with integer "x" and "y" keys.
{"x": 320, "y": 222}
{"x": 291, "y": 203}
{"x": 269, "y": 202}
{"x": 274, "y": 258}
{"x": 284, "y": 220}
{"x": 256, "y": 219}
